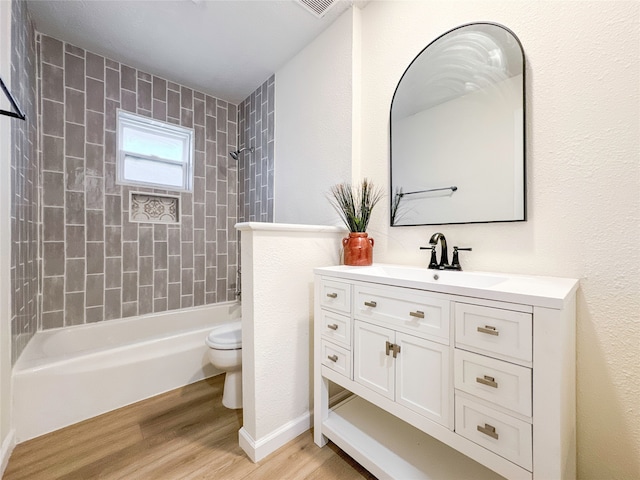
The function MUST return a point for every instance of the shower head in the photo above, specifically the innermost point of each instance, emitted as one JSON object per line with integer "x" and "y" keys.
{"x": 237, "y": 153}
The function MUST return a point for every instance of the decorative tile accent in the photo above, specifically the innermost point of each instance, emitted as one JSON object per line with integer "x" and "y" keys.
{"x": 144, "y": 207}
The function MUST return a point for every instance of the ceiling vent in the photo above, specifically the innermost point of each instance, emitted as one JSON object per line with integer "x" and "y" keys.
{"x": 317, "y": 7}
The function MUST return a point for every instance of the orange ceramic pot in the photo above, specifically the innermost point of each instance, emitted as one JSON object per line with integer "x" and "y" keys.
{"x": 358, "y": 249}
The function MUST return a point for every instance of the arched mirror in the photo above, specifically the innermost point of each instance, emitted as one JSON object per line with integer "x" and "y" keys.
{"x": 457, "y": 131}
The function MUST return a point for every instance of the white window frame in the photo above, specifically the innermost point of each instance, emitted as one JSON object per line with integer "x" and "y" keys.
{"x": 137, "y": 122}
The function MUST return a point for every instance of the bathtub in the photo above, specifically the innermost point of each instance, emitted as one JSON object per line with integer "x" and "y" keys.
{"x": 69, "y": 374}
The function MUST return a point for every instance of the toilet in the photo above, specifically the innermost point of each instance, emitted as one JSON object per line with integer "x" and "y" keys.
{"x": 225, "y": 353}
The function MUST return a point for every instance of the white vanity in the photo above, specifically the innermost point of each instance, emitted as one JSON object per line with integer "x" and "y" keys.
{"x": 449, "y": 374}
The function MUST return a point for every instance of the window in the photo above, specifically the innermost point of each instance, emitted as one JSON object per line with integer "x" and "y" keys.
{"x": 153, "y": 153}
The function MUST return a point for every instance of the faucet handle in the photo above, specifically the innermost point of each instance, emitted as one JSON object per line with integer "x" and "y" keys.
{"x": 455, "y": 262}
{"x": 433, "y": 263}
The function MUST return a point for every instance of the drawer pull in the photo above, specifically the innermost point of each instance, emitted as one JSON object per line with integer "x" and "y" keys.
{"x": 487, "y": 380}
{"x": 489, "y": 330}
{"x": 332, "y": 295}
{"x": 417, "y": 314}
{"x": 333, "y": 358}
{"x": 333, "y": 326}
{"x": 488, "y": 430}
{"x": 371, "y": 304}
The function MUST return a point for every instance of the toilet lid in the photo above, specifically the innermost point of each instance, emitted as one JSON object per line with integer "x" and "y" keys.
{"x": 226, "y": 337}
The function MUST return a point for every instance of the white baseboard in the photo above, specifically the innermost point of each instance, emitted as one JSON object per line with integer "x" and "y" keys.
{"x": 260, "y": 448}
{"x": 8, "y": 444}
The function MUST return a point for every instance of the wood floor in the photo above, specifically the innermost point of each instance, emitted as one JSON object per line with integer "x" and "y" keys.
{"x": 182, "y": 434}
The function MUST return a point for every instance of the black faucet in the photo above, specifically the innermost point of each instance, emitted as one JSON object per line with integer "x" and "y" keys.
{"x": 444, "y": 254}
{"x": 455, "y": 262}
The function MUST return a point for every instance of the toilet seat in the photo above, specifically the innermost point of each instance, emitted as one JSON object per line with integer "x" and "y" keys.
{"x": 226, "y": 337}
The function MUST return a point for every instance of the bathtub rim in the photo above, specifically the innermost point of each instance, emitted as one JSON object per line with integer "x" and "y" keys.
{"x": 24, "y": 364}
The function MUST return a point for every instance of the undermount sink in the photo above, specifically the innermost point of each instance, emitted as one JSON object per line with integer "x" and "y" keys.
{"x": 441, "y": 277}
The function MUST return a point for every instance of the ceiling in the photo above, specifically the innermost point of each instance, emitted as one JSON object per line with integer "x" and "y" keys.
{"x": 226, "y": 48}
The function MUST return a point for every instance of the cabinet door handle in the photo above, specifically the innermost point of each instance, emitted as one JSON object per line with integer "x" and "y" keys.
{"x": 333, "y": 326}
{"x": 333, "y": 358}
{"x": 371, "y": 304}
{"x": 417, "y": 314}
{"x": 489, "y": 330}
{"x": 392, "y": 347}
{"x": 488, "y": 430}
{"x": 332, "y": 295}
{"x": 487, "y": 380}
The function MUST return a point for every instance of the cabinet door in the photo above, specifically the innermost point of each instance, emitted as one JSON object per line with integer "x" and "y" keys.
{"x": 373, "y": 368}
{"x": 423, "y": 378}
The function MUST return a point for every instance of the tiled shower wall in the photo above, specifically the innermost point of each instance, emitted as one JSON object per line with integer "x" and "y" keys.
{"x": 24, "y": 181}
{"x": 96, "y": 264}
{"x": 257, "y": 123}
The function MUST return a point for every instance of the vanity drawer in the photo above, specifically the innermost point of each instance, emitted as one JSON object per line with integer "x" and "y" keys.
{"x": 500, "y": 333}
{"x": 335, "y": 295}
{"x": 509, "y": 437}
{"x": 496, "y": 381}
{"x": 336, "y": 327}
{"x": 336, "y": 358}
{"x": 401, "y": 308}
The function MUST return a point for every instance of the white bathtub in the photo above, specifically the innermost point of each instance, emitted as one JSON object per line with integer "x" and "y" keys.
{"x": 70, "y": 374}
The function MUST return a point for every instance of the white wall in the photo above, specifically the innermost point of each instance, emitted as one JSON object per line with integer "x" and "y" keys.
{"x": 583, "y": 170}
{"x": 6, "y": 432}
{"x": 583, "y": 180}
{"x": 314, "y": 103}
{"x": 277, "y": 326}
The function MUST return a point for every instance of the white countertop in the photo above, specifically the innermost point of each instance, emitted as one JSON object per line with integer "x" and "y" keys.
{"x": 550, "y": 292}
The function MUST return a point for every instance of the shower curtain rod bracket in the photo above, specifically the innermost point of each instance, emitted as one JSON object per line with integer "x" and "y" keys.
{"x": 17, "y": 113}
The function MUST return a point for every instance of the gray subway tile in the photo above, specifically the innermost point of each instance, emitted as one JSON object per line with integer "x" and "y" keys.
{"x": 53, "y": 258}
{"x": 52, "y": 118}
{"x": 73, "y": 71}
{"x": 112, "y": 84}
{"x": 74, "y": 140}
{"x": 95, "y": 290}
{"x": 113, "y": 241}
{"x": 74, "y": 309}
{"x": 145, "y": 300}
{"x": 74, "y": 106}
{"x": 95, "y": 127}
{"x": 52, "y": 294}
{"x": 95, "y": 257}
{"x": 52, "y": 320}
{"x": 113, "y": 272}
{"x": 128, "y": 78}
{"x": 113, "y": 210}
{"x": 95, "y": 66}
{"x": 144, "y": 95}
{"x": 51, "y": 50}
{"x": 75, "y": 275}
{"x": 129, "y": 286}
{"x": 95, "y": 225}
{"x": 53, "y": 224}
{"x": 52, "y": 153}
{"x": 145, "y": 270}
{"x": 130, "y": 256}
{"x": 74, "y": 208}
{"x": 52, "y": 86}
{"x": 74, "y": 174}
{"x": 94, "y": 314}
{"x": 112, "y": 303}
{"x": 75, "y": 241}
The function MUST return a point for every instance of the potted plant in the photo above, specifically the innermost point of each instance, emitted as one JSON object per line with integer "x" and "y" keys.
{"x": 354, "y": 204}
